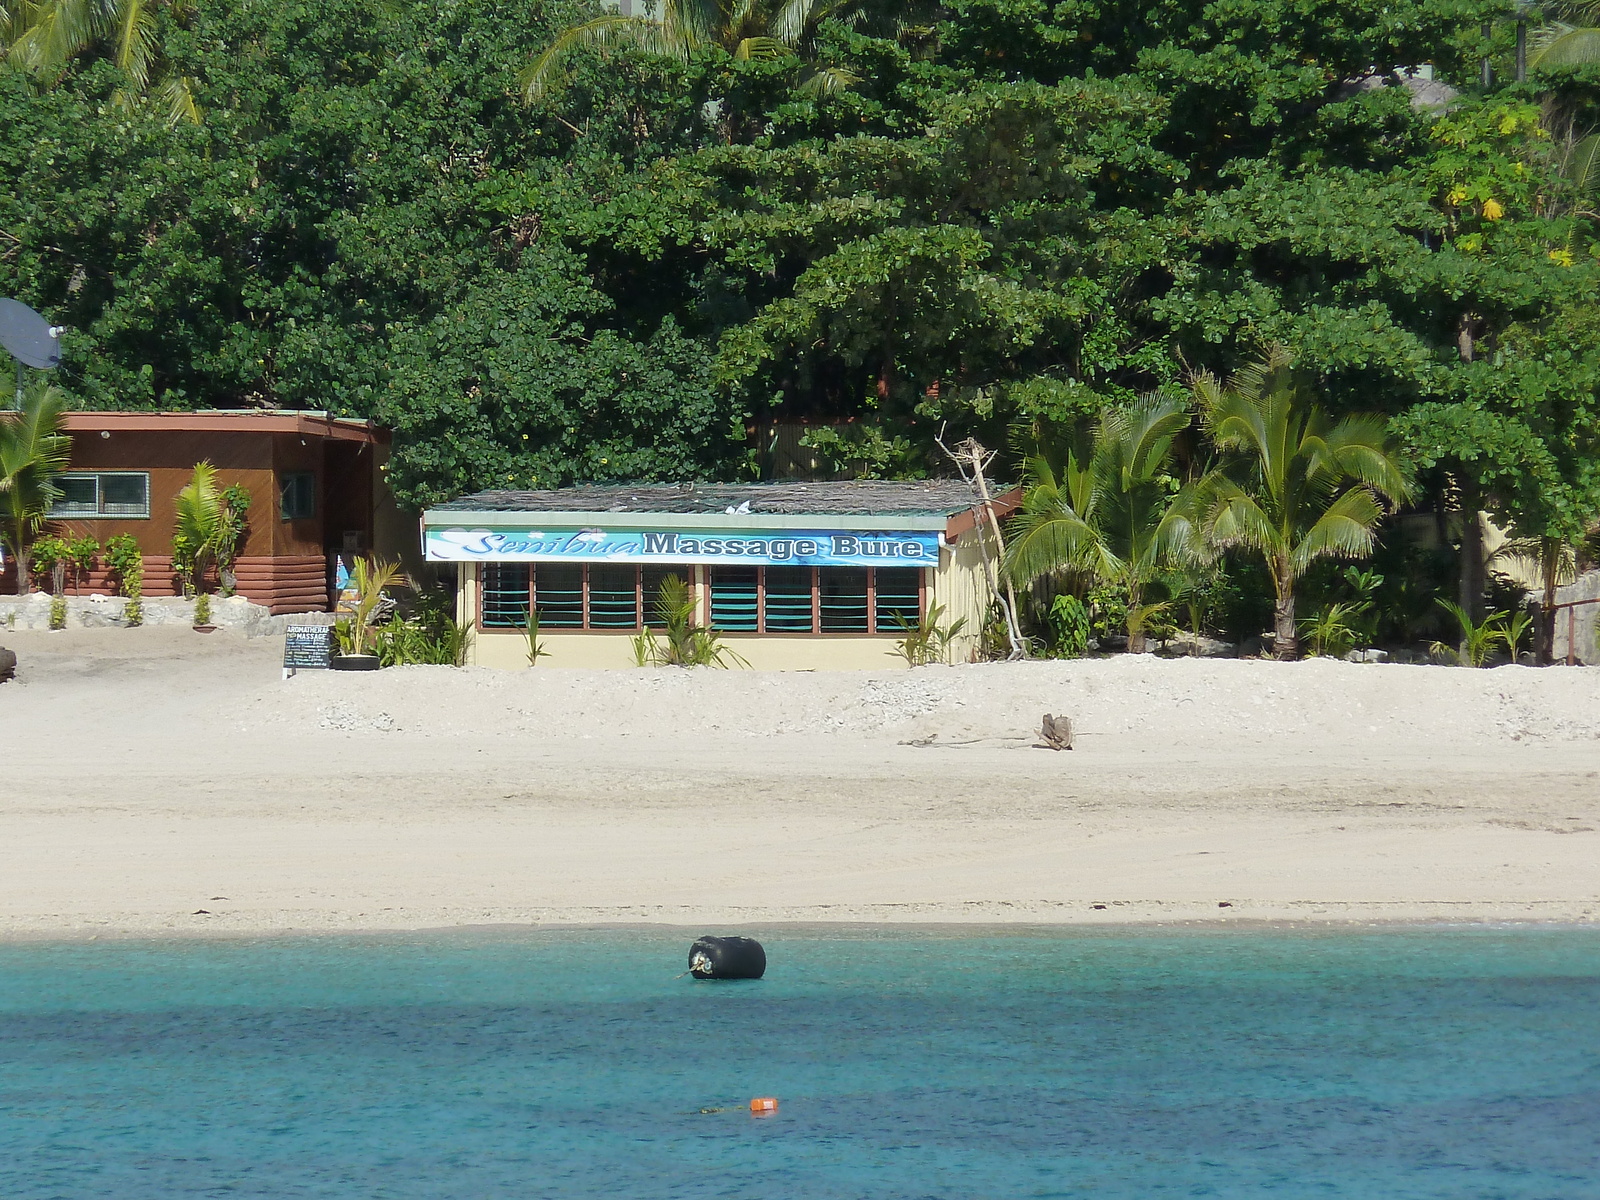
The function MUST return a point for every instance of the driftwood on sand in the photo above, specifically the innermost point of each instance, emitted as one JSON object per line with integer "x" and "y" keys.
{"x": 1055, "y": 733}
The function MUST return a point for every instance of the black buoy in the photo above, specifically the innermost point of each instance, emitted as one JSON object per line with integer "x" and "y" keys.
{"x": 727, "y": 958}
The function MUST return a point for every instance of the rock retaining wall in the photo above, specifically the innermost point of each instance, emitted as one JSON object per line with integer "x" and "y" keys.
{"x": 103, "y": 612}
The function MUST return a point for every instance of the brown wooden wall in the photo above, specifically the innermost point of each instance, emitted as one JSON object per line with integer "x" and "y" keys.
{"x": 240, "y": 458}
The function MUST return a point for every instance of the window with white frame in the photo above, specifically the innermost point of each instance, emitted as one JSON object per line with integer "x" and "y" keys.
{"x": 102, "y": 494}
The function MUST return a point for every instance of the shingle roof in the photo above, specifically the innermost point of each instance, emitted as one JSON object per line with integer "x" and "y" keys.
{"x": 865, "y": 497}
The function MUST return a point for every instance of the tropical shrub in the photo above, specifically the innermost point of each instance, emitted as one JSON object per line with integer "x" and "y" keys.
{"x": 210, "y": 523}
{"x": 1478, "y": 638}
{"x": 51, "y": 556}
{"x": 126, "y": 563}
{"x": 368, "y": 578}
{"x": 928, "y": 640}
{"x": 530, "y": 633}
{"x": 681, "y": 642}
{"x": 1068, "y": 619}
{"x": 81, "y": 555}
{"x": 1333, "y": 632}
{"x": 417, "y": 642}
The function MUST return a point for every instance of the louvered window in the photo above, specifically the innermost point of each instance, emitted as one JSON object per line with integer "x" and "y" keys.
{"x": 814, "y": 599}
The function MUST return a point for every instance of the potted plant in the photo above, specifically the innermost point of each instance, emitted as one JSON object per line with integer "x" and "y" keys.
{"x": 368, "y": 578}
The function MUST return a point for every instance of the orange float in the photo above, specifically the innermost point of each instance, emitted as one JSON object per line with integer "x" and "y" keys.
{"x": 762, "y": 1105}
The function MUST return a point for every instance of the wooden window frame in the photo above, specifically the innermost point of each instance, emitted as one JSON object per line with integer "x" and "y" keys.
{"x": 694, "y": 575}
{"x": 640, "y": 614}
{"x": 873, "y": 628}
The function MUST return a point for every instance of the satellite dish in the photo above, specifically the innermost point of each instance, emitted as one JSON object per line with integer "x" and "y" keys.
{"x": 28, "y": 336}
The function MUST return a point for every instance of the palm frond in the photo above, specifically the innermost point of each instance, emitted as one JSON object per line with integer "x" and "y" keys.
{"x": 1561, "y": 45}
{"x": 33, "y": 451}
{"x": 1053, "y": 531}
{"x": 1581, "y": 165}
{"x": 1355, "y": 448}
{"x": 136, "y": 44}
{"x": 688, "y": 25}
{"x": 1148, "y": 428}
{"x": 760, "y": 49}
{"x": 199, "y": 508}
{"x": 1551, "y": 560}
{"x": 1232, "y": 517}
{"x": 537, "y": 79}
{"x": 795, "y": 19}
{"x": 1180, "y": 535}
{"x": 1344, "y": 530}
{"x": 175, "y": 94}
{"x": 828, "y": 81}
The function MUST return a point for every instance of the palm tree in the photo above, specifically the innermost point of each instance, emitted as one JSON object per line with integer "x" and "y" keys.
{"x": 369, "y": 578}
{"x": 201, "y": 525}
{"x": 747, "y": 30}
{"x": 33, "y": 451}
{"x": 1554, "y": 562}
{"x": 43, "y": 36}
{"x": 1104, "y": 505}
{"x": 1286, "y": 495}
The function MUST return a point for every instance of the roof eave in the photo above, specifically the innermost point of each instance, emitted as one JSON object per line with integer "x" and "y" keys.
{"x": 448, "y": 518}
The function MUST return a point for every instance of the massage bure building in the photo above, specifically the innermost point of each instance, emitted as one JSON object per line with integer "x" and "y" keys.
{"x": 793, "y": 575}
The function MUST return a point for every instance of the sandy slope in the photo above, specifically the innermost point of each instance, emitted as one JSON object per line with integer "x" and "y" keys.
{"x": 152, "y": 773}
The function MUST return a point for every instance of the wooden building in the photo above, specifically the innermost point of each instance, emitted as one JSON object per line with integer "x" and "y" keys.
{"x": 316, "y": 485}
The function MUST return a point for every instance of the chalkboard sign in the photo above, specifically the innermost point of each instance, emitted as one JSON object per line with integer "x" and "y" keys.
{"x": 307, "y": 648}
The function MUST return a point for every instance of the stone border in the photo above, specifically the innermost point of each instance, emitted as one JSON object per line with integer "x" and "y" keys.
{"x": 99, "y": 611}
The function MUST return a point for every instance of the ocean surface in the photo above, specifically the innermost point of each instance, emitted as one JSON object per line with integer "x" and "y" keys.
{"x": 1449, "y": 1063}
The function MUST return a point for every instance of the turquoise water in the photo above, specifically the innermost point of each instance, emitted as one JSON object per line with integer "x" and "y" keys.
{"x": 1420, "y": 1063}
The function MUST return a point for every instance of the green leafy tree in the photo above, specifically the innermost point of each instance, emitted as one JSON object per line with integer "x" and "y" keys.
{"x": 33, "y": 451}
{"x": 1301, "y": 486}
{"x": 522, "y": 386}
{"x": 1108, "y": 507}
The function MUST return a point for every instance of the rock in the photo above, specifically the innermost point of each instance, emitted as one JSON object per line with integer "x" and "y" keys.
{"x": 1366, "y": 656}
{"x": 8, "y": 664}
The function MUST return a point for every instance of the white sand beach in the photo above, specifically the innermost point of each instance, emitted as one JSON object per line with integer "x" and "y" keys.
{"x": 151, "y": 774}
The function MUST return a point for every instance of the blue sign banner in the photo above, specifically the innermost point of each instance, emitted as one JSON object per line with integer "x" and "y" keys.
{"x": 808, "y": 548}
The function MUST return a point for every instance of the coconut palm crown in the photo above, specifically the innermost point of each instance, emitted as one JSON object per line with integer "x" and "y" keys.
{"x": 1570, "y": 38}
{"x": 33, "y": 451}
{"x": 746, "y": 29}
{"x": 43, "y": 36}
{"x": 1105, "y": 505}
{"x": 1301, "y": 485}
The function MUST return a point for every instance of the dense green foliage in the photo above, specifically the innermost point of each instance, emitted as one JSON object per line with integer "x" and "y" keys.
{"x": 997, "y": 212}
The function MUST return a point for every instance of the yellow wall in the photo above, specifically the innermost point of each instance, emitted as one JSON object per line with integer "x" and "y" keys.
{"x": 959, "y": 587}
{"x": 508, "y": 650}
